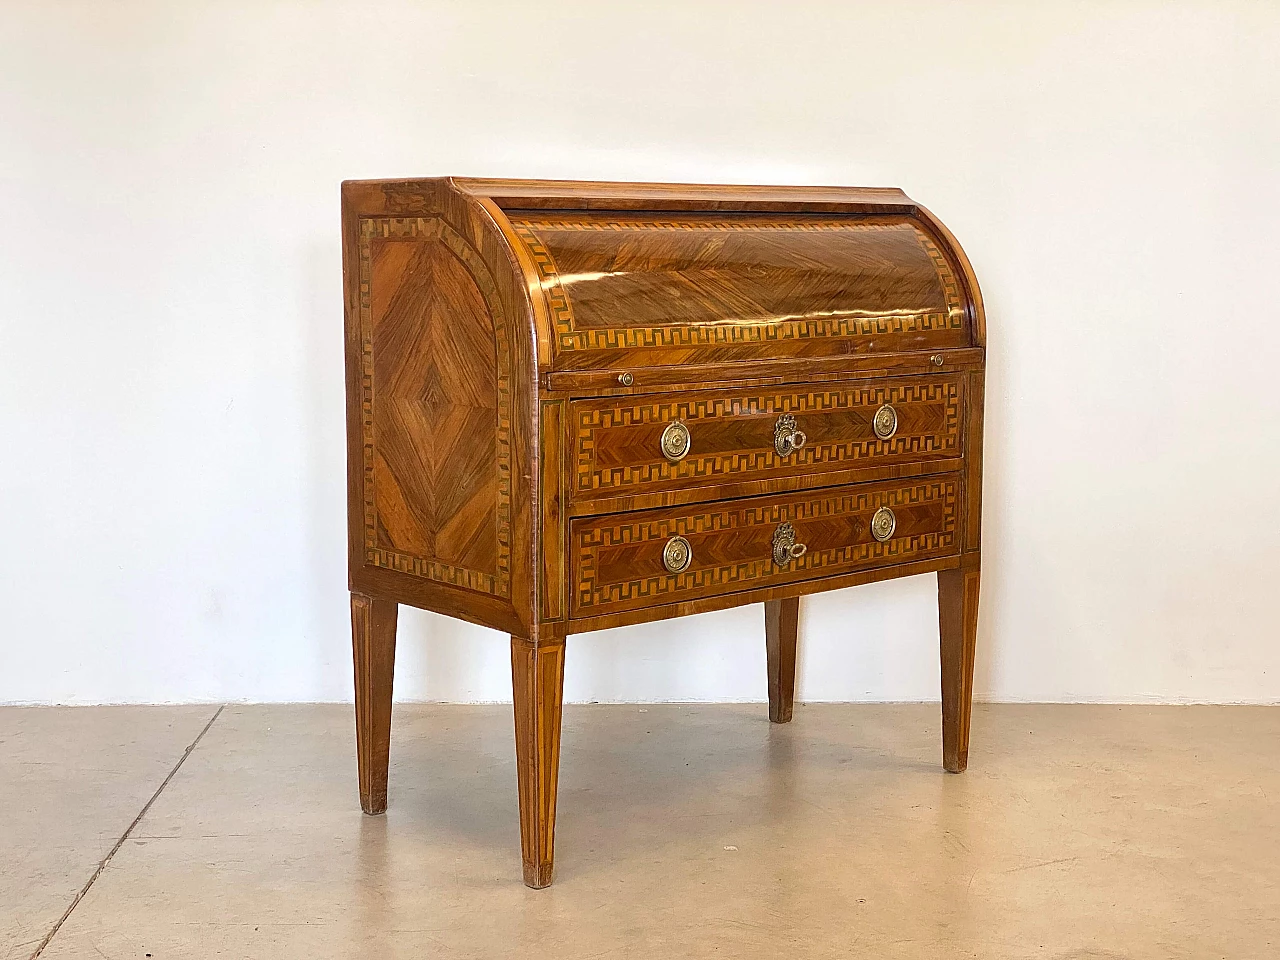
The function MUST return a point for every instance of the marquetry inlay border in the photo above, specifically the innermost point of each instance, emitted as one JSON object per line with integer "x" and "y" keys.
{"x": 433, "y": 228}
{"x": 568, "y": 337}
{"x": 593, "y": 417}
{"x": 650, "y": 535}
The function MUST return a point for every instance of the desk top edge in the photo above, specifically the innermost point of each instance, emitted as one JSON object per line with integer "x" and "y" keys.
{"x": 615, "y": 195}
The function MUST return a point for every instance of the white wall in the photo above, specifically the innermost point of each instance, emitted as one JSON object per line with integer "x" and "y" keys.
{"x": 171, "y": 486}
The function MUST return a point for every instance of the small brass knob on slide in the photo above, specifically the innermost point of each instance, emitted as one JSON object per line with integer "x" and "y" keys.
{"x": 626, "y": 379}
{"x": 883, "y": 523}
{"x": 787, "y": 438}
{"x": 785, "y": 548}
{"x": 885, "y": 422}
{"x": 937, "y": 359}
{"x": 677, "y": 555}
{"x": 676, "y": 441}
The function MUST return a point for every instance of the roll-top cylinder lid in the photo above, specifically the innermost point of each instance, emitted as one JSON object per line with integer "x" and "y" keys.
{"x": 768, "y": 283}
{"x": 735, "y": 272}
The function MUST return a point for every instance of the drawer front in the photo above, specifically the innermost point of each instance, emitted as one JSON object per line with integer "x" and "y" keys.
{"x": 625, "y": 561}
{"x": 739, "y": 435}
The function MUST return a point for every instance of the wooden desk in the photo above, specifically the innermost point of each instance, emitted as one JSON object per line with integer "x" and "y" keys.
{"x": 573, "y": 406}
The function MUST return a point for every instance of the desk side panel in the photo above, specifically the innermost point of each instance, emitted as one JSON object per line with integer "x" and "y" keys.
{"x": 440, "y": 405}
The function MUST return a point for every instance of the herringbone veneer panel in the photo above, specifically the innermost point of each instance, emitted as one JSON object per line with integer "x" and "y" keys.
{"x": 436, "y": 406}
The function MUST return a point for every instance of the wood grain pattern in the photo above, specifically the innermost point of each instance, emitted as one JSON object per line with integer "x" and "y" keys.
{"x": 618, "y": 449}
{"x": 969, "y": 280}
{"x": 441, "y": 393}
{"x": 537, "y": 675}
{"x": 554, "y": 513}
{"x": 759, "y": 372}
{"x": 615, "y": 195}
{"x": 781, "y": 629}
{"x": 437, "y": 426}
{"x": 666, "y": 610}
{"x": 617, "y": 559}
{"x": 974, "y": 402}
{"x": 730, "y": 489}
{"x": 638, "y": 281}
{"x": 373, "y": 645}
{"x": 958, "y": 633}
{"x": 514, "y": 350}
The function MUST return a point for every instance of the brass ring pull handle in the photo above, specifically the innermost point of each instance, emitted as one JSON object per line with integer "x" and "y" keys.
{"x": 677, "y": 555}
{"x": 885, "y": 422}
{"x": 883, "y": 523}
{"x": 785, "y": 548}
{"x": 787, "y": 439}
{"x": 676, "y": 441}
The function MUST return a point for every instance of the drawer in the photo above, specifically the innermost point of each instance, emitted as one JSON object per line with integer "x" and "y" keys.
{"x": 626, "y": 446}
{"x": 650, "y": 557}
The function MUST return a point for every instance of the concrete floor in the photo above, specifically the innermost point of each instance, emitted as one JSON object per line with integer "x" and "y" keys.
{"x": 685, "y": 831}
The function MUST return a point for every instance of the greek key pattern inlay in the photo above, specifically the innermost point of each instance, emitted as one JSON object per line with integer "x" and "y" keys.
{"x": 433, "y": 228}
{"x": 832, "y": 453}
{"x": 648, "y": 536}
{"x": 685, "y": 335}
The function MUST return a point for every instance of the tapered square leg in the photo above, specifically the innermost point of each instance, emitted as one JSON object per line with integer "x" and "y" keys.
{"x": 537, "y": 679}
{"x": 373, "y": 644}
{"x": 957, "y": 630}
{"x": 781, "y": 623}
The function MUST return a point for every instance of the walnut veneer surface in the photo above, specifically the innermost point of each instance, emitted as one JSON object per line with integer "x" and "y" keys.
{"x": 573, "y": 406}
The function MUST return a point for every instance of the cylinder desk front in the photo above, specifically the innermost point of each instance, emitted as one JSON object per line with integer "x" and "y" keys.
{"x": 573, "y": 406}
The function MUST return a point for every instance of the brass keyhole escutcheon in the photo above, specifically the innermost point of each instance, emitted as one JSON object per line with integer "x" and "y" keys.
{"x": 676, "y": 441}
{"x": 787, "y": 438}
{"x": 785, "y": 548}
{"x": 883, "y": 523}
{"x": 885, "y": 422}
{"x": 677, "y": 555}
